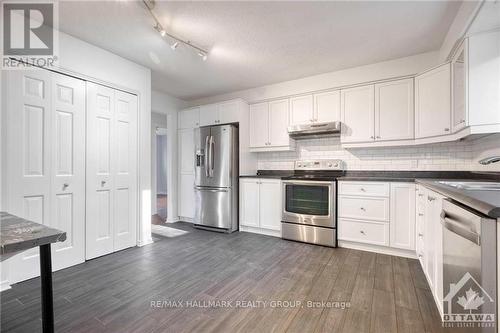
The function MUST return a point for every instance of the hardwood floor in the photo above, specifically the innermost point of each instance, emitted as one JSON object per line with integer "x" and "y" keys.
{"x": 114, "y": 293}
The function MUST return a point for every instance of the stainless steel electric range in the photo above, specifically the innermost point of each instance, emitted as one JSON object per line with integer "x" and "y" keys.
{"x": 309, "y": 204}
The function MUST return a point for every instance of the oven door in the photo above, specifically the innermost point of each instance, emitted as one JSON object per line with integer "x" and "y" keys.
{"x": 309, "y": 202}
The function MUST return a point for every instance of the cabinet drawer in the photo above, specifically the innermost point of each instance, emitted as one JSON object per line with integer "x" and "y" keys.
{"x": 364, "y": 232}
{"x": 364, "y": 188}
{"x": 365, "y": 208}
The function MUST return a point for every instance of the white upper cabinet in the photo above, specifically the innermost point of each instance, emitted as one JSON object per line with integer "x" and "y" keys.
{"x": 229, "y": 112}
{"x": 301, "y": 110}
{"x": 259, "y": 125}
{"x": 394, "y": 112}
{"x": 278, "y": 123}
{"x": 459, "y": 88}
{"x": 433, "y": 102}
{"x": 209, "y": 114}
{"x": 269, "y": 126}
{"x": 357, "y": 106}
{"x": 221, "y": 113}
{"x": 327, "y": 106}
{"x": 189, "y": 118}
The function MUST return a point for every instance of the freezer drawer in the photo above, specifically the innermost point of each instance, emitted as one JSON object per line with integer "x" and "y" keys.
{"x": 214, "y": 208}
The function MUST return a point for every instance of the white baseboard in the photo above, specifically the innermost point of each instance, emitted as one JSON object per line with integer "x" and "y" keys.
{"x": 378, "y": 249}
{"x": 185, "y": 219}
{"x": 261, "y": 231}
{"x": 4, "y": 285}
{"x": 172, "y": 220}
{"x": 145, "y": 242}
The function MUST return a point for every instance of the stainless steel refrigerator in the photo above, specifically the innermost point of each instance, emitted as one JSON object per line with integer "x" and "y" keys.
{"x": 216, "y": 178}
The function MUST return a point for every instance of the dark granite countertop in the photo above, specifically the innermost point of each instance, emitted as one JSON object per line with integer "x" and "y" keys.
{"x": 484, "y": 201}
{"x": 18, "y": 234}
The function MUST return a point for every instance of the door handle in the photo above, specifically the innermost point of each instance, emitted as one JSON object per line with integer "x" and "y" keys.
{"x": 211, "y": 158}
{"x": 205, "y": 159}
{"x": 210, "y": 189}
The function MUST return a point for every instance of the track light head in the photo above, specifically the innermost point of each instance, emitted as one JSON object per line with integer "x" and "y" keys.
{"x": 203, "y": 55}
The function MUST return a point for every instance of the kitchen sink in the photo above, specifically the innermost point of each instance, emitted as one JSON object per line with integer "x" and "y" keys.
{"x": 474, "y": 186}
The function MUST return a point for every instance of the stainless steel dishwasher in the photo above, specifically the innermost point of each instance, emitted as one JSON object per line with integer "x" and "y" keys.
{"x": 469, "y": 267}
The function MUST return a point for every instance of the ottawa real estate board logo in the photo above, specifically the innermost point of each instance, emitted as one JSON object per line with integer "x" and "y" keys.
{"x": 468, "y": 305}
{"x": 29, "y": 33}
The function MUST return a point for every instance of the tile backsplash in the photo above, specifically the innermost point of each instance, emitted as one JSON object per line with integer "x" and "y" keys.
{"x": 459, "y": 155}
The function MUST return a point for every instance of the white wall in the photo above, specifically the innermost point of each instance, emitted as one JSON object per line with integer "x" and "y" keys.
{"x": 165, "y": 108}
{"x": 379, "y": 71}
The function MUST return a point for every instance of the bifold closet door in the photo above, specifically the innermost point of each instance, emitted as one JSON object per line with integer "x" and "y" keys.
{"x": 111, "y": 170}
{"x": 46, "y": 162}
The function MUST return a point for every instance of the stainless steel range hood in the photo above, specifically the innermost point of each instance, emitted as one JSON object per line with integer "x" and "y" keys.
{"x": 314, "y": 131}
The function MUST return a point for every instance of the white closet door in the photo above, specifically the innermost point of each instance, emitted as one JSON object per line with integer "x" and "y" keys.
{"x": 68, "y": 169}
{"x": 101, "y": 158}
{"x": 46, "y": 113}
{"x": 111, "y": 170}
{"x": 29, "y": 160}
{"x": 125, "y": 171}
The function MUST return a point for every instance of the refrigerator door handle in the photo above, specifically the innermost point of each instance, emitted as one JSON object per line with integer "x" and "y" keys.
{"x": 206, "y": 156}
{"x": 211, "y": 158}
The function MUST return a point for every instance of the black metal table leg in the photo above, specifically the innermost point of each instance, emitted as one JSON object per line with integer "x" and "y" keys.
{"x": 46, "y": 277}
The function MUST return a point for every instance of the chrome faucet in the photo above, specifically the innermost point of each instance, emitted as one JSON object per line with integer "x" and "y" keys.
{"x": 489, "y": 160}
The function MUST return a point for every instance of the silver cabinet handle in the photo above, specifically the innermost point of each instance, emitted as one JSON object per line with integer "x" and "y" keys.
{"x": 462, "y": 121}
{"x": 65, "y": 186}
{"x": 420, "y": 235}
{"x": 377, "y": 137}
{"x": 447, "y": 129}
{"x": 372, "y": 137}
{"x": 420, "y": 214}
{"x": 362, "y": 189}
{"x": 420, "y": 256}
{"x": 103, "y": 182}
{"x": 362, "y": 232}
{"x": 430, "y": 198}
{"x": 362, "y": 208}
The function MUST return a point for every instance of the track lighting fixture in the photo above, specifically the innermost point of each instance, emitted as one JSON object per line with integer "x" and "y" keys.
{"x": 150, "y": 4}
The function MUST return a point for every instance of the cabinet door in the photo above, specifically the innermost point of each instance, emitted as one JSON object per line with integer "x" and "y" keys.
{"x": 186, "y": 196}
{"x": 270, "y": 204}
{"x": 357, "y": 114}
{"x": 327, "y": 106}
{"x": 402, "y": 217}
{"x": 186, "y": 151}
{"x": 438, "y": 250}
{"x": 459, "y": 88}
{"x": 249, "y": 202}
{"x": 189, "y": 118}
{"x": 430, "y": 238}
{"x": 432, "y": 102}
{"x": 209, "y": 114}
{"x": 301, "y": 110}
{"x": 394, "y": 110}
{"x": 228, "y": 112}
{"x": 278, "y": 123}
{"x": 259, "y": 125}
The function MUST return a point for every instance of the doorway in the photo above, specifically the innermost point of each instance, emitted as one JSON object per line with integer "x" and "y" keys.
{"x": 161, "y": 174}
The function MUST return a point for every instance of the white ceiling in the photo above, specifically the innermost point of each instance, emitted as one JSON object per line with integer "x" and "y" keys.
{"x": 257, "y": 43}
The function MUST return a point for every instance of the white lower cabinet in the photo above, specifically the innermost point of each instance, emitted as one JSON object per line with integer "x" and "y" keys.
{"x": 187, "y": 196}
{"x": 430, "y": 240}
{"x": 260, "y": 205}
{"x": 377, "y": 213}
{"x": 402, "y": 214}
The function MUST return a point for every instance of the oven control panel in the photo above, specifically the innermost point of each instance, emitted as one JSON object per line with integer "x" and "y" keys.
{"x": 326, "y": 164}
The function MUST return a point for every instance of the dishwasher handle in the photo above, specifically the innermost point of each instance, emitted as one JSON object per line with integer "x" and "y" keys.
{"x": 458, "y": 228}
